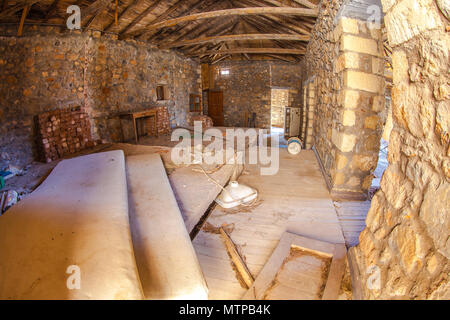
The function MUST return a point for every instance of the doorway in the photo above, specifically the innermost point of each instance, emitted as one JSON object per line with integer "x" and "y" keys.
{"x": 279, "y": 102}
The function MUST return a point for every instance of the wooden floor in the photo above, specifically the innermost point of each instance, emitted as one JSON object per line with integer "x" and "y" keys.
{"x": 295, "y": 200}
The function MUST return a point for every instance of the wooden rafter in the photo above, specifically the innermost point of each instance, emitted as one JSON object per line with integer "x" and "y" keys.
{"x": 17, "y": 7}
{"x": 237, "y": 37}
{"x": 225, "y": 28}
{"x": 252, "y": 50}
{"x": 22, "y": 19}
{"x": 180, "y": 31}
{"x": 166, "y": 14}
{"x": 306, "y": 3}
{"x": 93, "y": 10}
{"x": 265, "y": 28}
{"x": 234, "y": 12}
{"x": 283, "y": 58}
{"x": 116, "y": 12}
{"x": 141, "y": 16}
{"x": 297, "y": 24}
{"x": 210, "y": 29}
{"x": 121, "y": 14}
{"x": 51, "y": 10}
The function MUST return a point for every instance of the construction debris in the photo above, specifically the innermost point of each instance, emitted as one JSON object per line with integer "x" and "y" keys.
{"x": 8, "y": 199}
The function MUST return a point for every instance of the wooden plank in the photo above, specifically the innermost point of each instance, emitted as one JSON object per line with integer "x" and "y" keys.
{"x": 237, "y": 37}
{"x": 336, "y": 273}
{"x": 335, "y": 252}
{"x": 236, "y": 259}
{"x": 250, "y": 50}
{"x": 22, "y": 19}
{"x": 296, "y": 199}
{"x": 235, "y": 12}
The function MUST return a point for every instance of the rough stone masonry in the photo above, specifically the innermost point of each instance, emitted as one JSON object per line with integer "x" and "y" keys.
{"x": 49, "y": 69}
{"x": 405, "y": 249}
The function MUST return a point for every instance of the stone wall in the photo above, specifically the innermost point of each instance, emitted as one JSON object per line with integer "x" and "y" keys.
{"x": 47, "y": 70}
{"x": 248, "y": 88}
{"x": 349, "y": 100}
{"x": 321, "y": 54}
{"x": 406, "y": 242}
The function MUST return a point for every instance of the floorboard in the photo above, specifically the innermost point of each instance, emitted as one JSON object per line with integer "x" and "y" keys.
{"x": 295, "y": 200}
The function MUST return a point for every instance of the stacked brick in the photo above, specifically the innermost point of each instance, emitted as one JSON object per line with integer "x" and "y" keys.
{"x": 163, "y": 123}
{"x": 206, "y": 121}
{"x": 63, "y": 132}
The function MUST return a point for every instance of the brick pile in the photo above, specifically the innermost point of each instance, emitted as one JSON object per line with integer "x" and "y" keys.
{"x": 207, "y": 122}
{"x": 63, "y": 132}
{"x": 163, "y": 123}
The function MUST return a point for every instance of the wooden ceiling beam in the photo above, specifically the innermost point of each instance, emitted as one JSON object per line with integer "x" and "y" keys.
{"x": 217, "y": 29}
{"x": 141, "y": 16}
{"x": 181, "y": 31}
{"x": 283, "y": 58}
{"x": 51, "y": 10}
{"x": 293, "y": 24}
{"x": 251, "y": 50}
{"x": 121, "y": 14}
{"x": 165, "y": 15}
{"x": 220, "y": 29}
{"x": 234, "y": 12}
{"x": 236, "y": 37}
{"x": 17, "y": 7}
{"x": 307, "y": 3}
{"x": 93, "y": 11}
{"x": 22, "y": 19}
{"x": 265, "y": 28}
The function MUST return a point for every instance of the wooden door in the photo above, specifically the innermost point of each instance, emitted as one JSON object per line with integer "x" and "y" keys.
{"x": 215, "y": 107}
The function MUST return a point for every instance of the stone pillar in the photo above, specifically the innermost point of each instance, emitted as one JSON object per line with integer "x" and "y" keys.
{"x": 404, "y": 252}
{"x": 309, "y": 115}
{"x": 357, "y": 128}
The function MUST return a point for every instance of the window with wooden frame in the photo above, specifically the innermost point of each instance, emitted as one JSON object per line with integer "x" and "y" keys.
{"x": 162, "y": 92}
{"x": 195, "y": 103}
